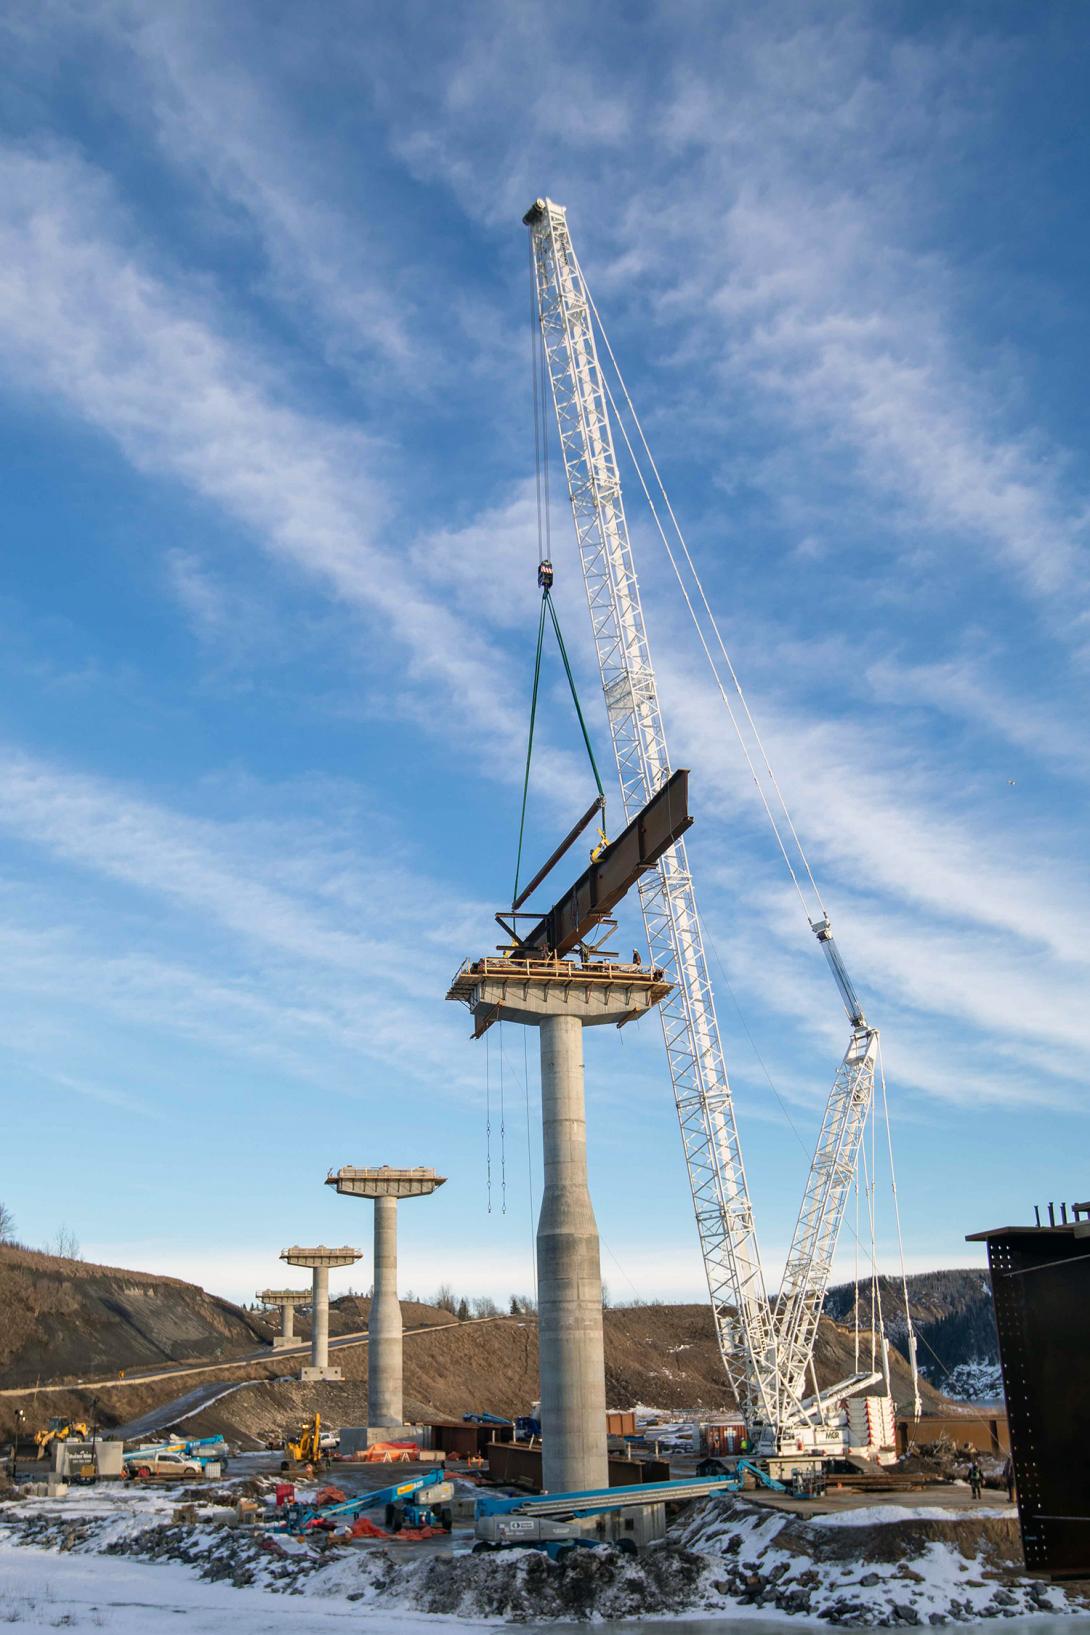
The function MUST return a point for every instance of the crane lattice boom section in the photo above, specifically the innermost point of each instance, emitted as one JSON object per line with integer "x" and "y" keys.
{"x": 766, "y": 1351}
{"x": 704, "y": 1103}
{"x": 810, "y": 1259}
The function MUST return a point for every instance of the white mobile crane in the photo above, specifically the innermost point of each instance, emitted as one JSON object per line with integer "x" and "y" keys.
{"x": 767, "y": 1348}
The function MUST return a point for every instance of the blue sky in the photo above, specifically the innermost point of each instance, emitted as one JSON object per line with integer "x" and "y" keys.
{"x": 268, "y": 599}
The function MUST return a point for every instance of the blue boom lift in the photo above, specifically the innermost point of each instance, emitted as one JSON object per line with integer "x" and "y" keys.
{"x": 559, "y": 1523}
{"x": 419, "y": 1501}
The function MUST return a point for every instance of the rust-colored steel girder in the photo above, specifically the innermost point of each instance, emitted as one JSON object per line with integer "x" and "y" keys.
{"x": 600, "y": 887}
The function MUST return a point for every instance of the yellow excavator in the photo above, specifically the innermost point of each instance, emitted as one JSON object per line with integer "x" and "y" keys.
{"x": 306, "y": 1448}
{"x": 59, "y": 1430}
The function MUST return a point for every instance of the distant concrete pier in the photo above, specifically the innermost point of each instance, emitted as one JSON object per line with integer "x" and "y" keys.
{"x": 320, "y": 1260}
{"x": 560, "y": 999}
{"x": 285, "y": 1300}
{"x": 386, "y": 1187}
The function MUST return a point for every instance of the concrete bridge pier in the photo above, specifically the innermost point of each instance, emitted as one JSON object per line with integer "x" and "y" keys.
{"x": 569, "y": 1275}
{"x": 285, "y": 1301}
{"x": 320, "y": 1260}
{"x": 560, "y": 1000}
{"x": 387, "y": 1187}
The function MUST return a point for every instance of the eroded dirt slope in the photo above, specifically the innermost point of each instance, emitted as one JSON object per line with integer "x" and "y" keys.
{"x": 67, "y": 1318}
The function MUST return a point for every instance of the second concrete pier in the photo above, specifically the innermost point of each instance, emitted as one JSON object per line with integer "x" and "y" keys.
{"x": 320, "y": 1260}
{"x": 385, "y": 1404}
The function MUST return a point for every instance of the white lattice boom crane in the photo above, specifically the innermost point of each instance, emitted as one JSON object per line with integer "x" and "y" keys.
{"x": 767, "y": 1350}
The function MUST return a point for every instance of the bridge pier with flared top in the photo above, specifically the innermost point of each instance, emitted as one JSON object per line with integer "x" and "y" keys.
{"x": 387, "y": 1187}
{"x": 320, "y": 1260}
{"x": 285, "y": 1300}
{"x": 560, "y": 999}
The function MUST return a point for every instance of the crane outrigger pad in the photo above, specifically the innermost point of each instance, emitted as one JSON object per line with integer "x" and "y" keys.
{"x": 601, "y": 886}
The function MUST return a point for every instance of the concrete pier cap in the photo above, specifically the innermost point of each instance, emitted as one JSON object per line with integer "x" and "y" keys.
{"x": 560, "y": 998}
{"x": 387, "y": 1187}
{"x": 384, "y": 1182}
{"x": 529, "y": 990}
{"x": 321, "y": 1260}
{"x": 285, "y": 1300}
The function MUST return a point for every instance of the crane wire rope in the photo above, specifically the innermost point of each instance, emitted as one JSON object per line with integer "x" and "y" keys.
{"x": 538, "y": 388}
{"x": 529, "y": 1159}
{"x": 788, "y": 819}
{"x": 876, "y": 1319}
{"x": 536, "y": 397}
{"x": 854, "y": 1231}
{"x": 529, "y": 748}
{"x": 707, "y": 651}
{"x": 503, "y": 1136}
{"x": 713, "y": 622}
{"x": 547, "y": 604}
{"x": 488, "y": 1121}
{"x": 910, "y": 1333}
{"x": 797, "y": 853}
{"x": 855, "y": 1279}
{"x": 868, "y": 1193}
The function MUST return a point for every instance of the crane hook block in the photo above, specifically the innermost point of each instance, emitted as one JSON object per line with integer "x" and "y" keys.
{"x": 545, "y": 574}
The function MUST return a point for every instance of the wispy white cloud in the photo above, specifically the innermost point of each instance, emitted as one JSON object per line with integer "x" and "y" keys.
{"x": 883, "y": 378}
{"x": 963, "y": 929}
{"x": 278, "y": 941}
{"x": 879, "y": 812}
{"x": 218, "y": 121}
{"x": 86, "y": 323}
{"x": 968, "y": 688}
{"x": 765, "y": 205}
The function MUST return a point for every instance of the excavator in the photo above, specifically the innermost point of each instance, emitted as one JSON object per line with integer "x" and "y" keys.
{"x": 306, "y": 1448}
{"x": 59, "y": 1430}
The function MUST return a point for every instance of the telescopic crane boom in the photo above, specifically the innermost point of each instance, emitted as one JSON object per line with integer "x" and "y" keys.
{"x": 766, "y": 1351}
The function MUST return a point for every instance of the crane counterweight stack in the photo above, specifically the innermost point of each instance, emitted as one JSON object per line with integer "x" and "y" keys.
{"x": 766, "y": 1349}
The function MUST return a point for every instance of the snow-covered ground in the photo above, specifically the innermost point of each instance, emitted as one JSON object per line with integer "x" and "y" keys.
{"x": 93, "y": 1592}
{"x": 873, "y": 1565}
{"x": 118, "y": 1559}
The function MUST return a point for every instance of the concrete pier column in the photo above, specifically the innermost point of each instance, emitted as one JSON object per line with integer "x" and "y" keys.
{"x": 386, "y": 1187}
{"x": 285, "y": 1302}
{"x": 560, "y": 998}
{"x": 384, "y": 1404}
{"x": 319, "y": 1260}
{"x": 319, "y": 1318}
{"x": 573, "y": 1392}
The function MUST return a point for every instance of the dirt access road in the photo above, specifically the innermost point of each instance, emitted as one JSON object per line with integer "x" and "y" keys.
{"x": 166, "y": 1371}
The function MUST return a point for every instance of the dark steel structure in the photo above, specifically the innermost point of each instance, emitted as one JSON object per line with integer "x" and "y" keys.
{"x": 600, "y": 887}
{"x": 1041, "y": 1288}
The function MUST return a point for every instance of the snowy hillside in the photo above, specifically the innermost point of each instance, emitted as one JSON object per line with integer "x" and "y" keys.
{"x": 954, "y": 1322}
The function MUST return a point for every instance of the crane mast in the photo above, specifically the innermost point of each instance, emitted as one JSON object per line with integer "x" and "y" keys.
{"x": 705, "y": 1106}
{"x": 766, "y": 1351}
